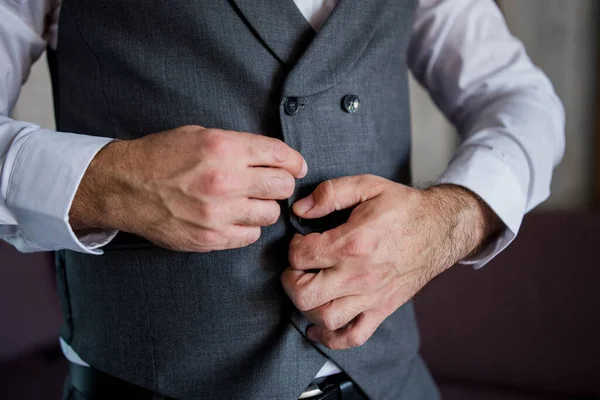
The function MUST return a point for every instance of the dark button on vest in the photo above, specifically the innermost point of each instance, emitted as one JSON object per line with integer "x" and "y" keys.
{"x": 291, "y": 106}
{"x": 351, "y": 103}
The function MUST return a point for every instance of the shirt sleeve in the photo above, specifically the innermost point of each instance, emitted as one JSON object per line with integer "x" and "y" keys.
{"x": 510, "y": 120}
{"x": 40, "y": 170}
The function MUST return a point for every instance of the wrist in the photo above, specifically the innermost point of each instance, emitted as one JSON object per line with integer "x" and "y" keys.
{"x": 467, "y": 222}
{"x": 98, "y": 202}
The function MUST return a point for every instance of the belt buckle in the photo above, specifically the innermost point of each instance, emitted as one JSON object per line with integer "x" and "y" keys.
{"x": 311, "y": 391}
{"x": 338, "y": 386}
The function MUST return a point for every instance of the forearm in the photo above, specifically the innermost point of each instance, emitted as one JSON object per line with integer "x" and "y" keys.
{"x": 41, "y": 170}
{"x": 511, "y": 146}
{"x": 510, "y": 120}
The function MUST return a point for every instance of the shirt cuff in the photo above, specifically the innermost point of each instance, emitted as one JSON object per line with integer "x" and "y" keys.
{"x": 44, "y": 171}
{"x": 485, "y": 174}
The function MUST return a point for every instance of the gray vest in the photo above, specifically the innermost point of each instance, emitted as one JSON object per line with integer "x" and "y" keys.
{"x": 219, "y": 325}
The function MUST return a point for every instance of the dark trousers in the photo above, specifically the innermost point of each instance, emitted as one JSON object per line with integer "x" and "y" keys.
{"x": 71, "y": 393}
{"x": 337, "y": 387}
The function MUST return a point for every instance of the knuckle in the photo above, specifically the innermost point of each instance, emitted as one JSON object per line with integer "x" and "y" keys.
{"x": 304, "y": 300}
{"x": 368, "y": 179}
{"x": 365, "y": 178}
{"x": 279, "y": 186}
{"x": 193, "y": 128}
{"x": 238, "y": 240}
{"x": 292, "y": 288}
{"x": 278, "y": 150}
{"x": 288, "y": 284}
{"x": 207, "y": 214}
{"x": 303, "y": 256}
{"x": 217, "y": 182}
{"x": 330, "y": 324}
{"x": 358, "y": 246}
{"x": 206, "y": 238}
{"x": 301, "y": 251}
{"x": 357, "y": 338}
{"x": 245, "y": 214}
{"x": 273, "y": 215}
{"x": 310, "y": 254}
{"x": 252, "y": 236}
{"x": 332, "y": 321}
{"x": 187, "y": 130}
{"x": 349, "y": 313}
{"x": 215, "y": 143}
{"x": 370, "y": 182}
{"x": 362, "y": 277}
{"x": 296, "y": 257}
{"x": 295, "y": 242}
{"x": 327, "y": 191}
{"x": 287, "y": 185}
{"x": 332, "y": 344}
{"x": 301, "y": 302}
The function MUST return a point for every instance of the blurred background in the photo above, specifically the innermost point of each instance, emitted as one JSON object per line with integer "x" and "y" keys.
{"x": 527, "y": 326}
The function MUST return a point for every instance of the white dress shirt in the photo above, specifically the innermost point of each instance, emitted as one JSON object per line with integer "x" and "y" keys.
{"x": 509, "y": 118}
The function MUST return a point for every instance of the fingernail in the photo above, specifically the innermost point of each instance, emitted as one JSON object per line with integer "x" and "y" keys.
{"x": 304, "y": 170}
{"x": 302, "y": 206}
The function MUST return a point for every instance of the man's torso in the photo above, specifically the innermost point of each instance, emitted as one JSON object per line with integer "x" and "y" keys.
{"x": 219, "y": 324}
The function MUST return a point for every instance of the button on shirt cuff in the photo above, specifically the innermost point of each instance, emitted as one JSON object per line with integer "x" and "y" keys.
{"x": 44, "y": 171}
{"x": 485, "y": 174}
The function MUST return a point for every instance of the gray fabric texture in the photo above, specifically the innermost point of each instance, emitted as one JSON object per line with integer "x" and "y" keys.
{"x": 219, "y": 325}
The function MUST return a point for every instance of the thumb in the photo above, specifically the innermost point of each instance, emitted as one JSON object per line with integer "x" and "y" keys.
{"x": 338, "y": 194}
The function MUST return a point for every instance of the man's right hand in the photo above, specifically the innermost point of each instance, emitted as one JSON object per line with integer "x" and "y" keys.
{"x": 188, "y": 189}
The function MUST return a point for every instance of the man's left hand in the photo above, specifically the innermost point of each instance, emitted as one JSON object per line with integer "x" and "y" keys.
{"x": 348, "y": 280}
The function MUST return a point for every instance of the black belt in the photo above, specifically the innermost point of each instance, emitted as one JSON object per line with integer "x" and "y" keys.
{"x": 96, "y": 385}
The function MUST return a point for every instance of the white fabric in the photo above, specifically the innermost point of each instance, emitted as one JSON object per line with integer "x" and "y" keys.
{"x": 316, "y": 11}
{"x": 505, "y": 109}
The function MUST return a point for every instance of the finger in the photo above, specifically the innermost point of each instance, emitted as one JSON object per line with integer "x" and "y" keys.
{"x": 355, "y": 334}
{"x": 344, "y": 244}
{"x": 309, "y": 290}
{"x": 238, "y": 236}
{"x": 254, "y": 212}
{"x": 338, "y": 194}
{"x": 339, "y": 312}
{"x": 232, "y": 237}
{"x": 315, "y": 250}
{"x": 269, "y": 184}
{"x": 269, "y": 152}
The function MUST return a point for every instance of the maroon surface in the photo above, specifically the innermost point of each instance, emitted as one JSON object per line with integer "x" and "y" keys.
{"x": 36, "y": 376}
{"x": 530, "y": 319}
{"x": 465, "y": 391}
{"x": 30, "y": 315}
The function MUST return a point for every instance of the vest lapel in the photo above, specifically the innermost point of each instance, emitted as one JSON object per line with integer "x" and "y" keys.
{"x": 342, "y": 40}
{"x": 319, "y": 61}
{"x": 279, "y": 24}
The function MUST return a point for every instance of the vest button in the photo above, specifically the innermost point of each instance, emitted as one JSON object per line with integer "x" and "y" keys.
{"x": 350, "y": 103}
{"x": 291, "y": 106}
